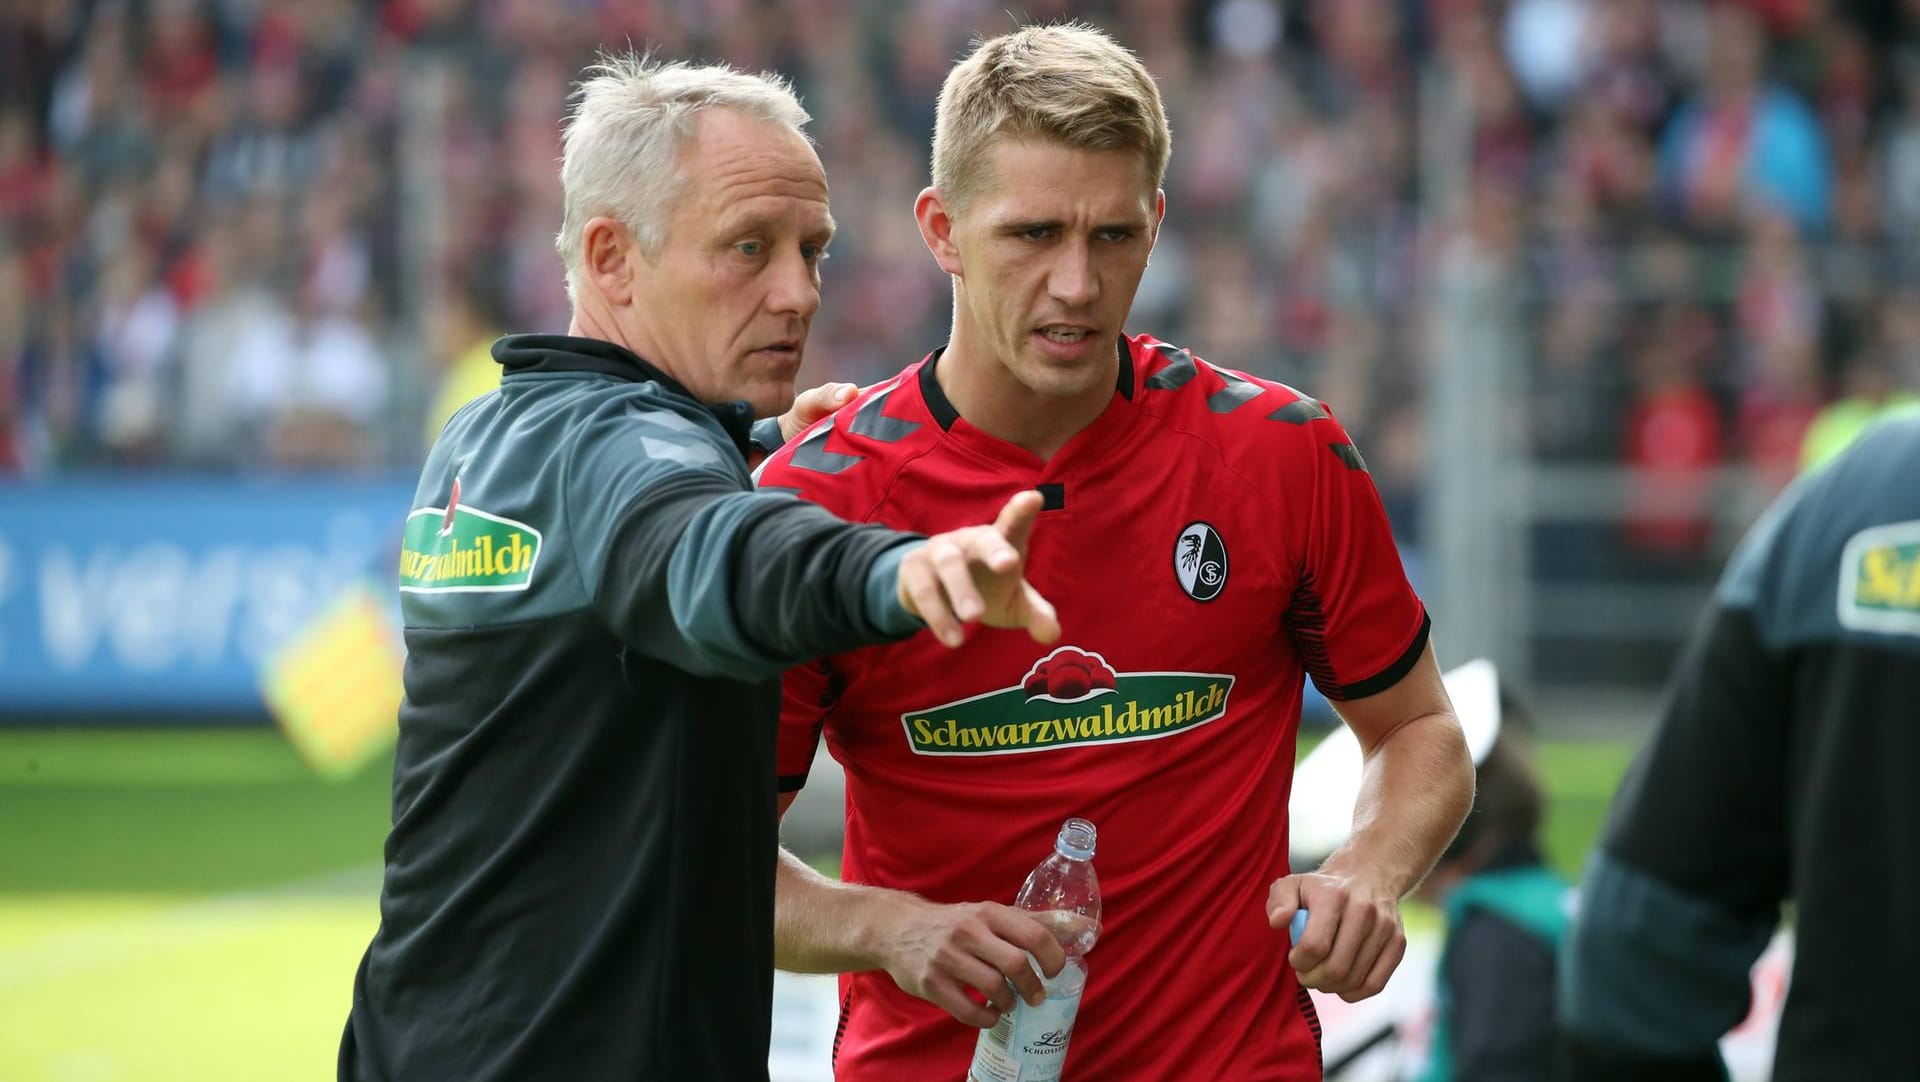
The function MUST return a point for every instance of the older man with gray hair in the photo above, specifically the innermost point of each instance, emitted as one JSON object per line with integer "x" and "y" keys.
{"x": 579, "y": 881}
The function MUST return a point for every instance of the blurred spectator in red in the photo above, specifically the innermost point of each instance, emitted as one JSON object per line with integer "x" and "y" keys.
{"x": 1673, "y": 437}
{"x": 179, "y": 70}
{"x": 25, "y": 175}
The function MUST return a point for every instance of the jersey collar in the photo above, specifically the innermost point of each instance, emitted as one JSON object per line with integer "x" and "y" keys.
{"x": 1097, "y": 437}
{"x": 518, "y": 353}
{"x": 941, "y": 406}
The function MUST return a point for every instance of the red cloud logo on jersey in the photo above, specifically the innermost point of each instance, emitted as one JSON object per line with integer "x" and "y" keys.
{"x": 1068, "y": 675}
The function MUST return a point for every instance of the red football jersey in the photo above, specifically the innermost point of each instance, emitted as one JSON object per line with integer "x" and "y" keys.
{"x": 1208, "y": 540}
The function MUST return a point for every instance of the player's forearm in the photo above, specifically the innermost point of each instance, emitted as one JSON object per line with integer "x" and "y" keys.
{"x": 1415, "y": 791}
{"x": 823, "y": 925}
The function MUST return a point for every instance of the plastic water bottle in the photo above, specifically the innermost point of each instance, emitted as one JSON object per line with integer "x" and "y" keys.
{"x": 1029, "y": 1044}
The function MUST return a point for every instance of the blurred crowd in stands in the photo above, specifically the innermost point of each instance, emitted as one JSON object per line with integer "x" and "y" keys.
{"x": 252, "y": 234}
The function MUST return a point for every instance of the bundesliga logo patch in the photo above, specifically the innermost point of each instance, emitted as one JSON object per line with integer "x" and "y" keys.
{"x": 1200, "y": 562}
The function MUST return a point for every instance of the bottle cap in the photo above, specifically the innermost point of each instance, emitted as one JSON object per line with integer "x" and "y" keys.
{"x": 1076, "y": 840}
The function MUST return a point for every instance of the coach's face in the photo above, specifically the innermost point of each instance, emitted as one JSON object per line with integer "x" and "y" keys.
{"x": 726, "y": 303}
{"x": 1048, "y": 254}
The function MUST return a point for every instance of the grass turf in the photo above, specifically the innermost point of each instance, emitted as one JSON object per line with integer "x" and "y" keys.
{"x": 190, "y": 905}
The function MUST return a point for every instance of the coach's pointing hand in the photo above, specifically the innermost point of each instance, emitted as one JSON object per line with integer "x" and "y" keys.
{"x": 977, "y": 573}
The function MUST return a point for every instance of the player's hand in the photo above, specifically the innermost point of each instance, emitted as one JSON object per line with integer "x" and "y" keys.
{"x": 940, "y": 952}
{"x": 1354, "y": 939}
{"x": 976, "y": 573}
{"x": 812, "y": 404}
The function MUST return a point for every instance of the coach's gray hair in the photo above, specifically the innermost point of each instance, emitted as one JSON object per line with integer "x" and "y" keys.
{"x": 631, "y": 117}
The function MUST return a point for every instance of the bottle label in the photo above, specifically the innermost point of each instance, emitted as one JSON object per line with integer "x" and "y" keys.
{"x": 1028, "y": 1044}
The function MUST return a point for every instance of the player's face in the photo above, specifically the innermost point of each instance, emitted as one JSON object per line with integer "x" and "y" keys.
{"x": 1050, "y": 253}
{"x": 731, "y": 295}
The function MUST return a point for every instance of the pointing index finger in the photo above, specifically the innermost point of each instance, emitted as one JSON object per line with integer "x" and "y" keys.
{"x": 1016, "y": 519}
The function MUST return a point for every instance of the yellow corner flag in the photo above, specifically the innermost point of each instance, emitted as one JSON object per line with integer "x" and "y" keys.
{"x": 335, "y": 686}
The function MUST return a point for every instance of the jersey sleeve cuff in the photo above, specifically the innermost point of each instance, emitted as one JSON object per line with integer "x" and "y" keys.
{"x": 1389, "y": 676}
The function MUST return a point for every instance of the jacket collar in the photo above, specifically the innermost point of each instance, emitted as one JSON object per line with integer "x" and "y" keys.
{"x": 519, "y": 353}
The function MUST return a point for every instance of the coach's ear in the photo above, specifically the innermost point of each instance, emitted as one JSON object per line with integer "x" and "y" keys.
{"x": 936, "y": 228}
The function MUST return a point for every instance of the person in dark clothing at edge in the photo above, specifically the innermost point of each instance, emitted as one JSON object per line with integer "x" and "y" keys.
{"x": 1506, "y": 913}
{"x": 1782, "y": 768}
{"x": 579, "y": 880}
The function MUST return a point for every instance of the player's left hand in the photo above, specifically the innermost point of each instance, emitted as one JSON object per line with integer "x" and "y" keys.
{"x": 812, "y": 404}
{"x": 1354, "y": 939}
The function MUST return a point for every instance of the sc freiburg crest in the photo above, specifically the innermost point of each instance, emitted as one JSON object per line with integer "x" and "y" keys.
{"x": 1200, "y": 562}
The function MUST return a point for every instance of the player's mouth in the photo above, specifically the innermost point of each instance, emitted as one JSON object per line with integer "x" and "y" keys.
{"x": 1064, "y": 341}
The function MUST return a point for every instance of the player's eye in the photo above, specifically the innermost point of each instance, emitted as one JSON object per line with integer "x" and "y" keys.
{"x": 814, "y": 253}
{"x": 749, "y": 248}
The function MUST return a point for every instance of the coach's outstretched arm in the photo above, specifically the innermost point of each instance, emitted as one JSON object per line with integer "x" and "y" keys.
{"x": 689, "y": 569}
{"x": 1415, "y": 791}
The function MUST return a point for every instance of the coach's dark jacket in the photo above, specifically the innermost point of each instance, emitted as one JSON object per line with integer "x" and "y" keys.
{"x": 579, "y": 881}
{"x": 1784, "y": 767}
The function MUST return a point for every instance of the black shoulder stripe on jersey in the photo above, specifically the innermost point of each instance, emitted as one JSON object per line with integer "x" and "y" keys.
{"x": 1300, "y": 411}
{"x": 873, "y": 423}
{"x": 1349, "y": 454}
{"x": 1179, "y": 369}
{"x": 812, "y": 454}
{"x": 1236, "y": 392}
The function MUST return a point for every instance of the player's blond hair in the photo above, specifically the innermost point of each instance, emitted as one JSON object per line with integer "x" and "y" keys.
{"x": 1069, "y": 83}
{"x": 631, "y": 117}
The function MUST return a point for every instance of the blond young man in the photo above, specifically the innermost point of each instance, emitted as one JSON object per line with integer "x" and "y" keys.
{"x": 1210, "y": 537}
{"x": 579, "y": 881}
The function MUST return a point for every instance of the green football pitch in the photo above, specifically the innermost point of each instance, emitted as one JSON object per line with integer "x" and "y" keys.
{"x": 190, "y": 905}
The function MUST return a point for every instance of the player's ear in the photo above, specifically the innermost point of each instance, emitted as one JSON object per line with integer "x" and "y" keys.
{"x": 1159, "y": 216}
{"x": 936, "y": 228}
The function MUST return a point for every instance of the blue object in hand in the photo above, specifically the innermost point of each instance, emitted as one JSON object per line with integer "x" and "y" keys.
{"x": 1298, "y": 926}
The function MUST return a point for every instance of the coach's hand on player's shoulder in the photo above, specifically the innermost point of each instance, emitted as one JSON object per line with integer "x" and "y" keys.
{"x": 978, "y": 574}
{"x": 1354, "y": 939}
{"x": 939, "y": 952}
{"x": 812, "y": 404}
